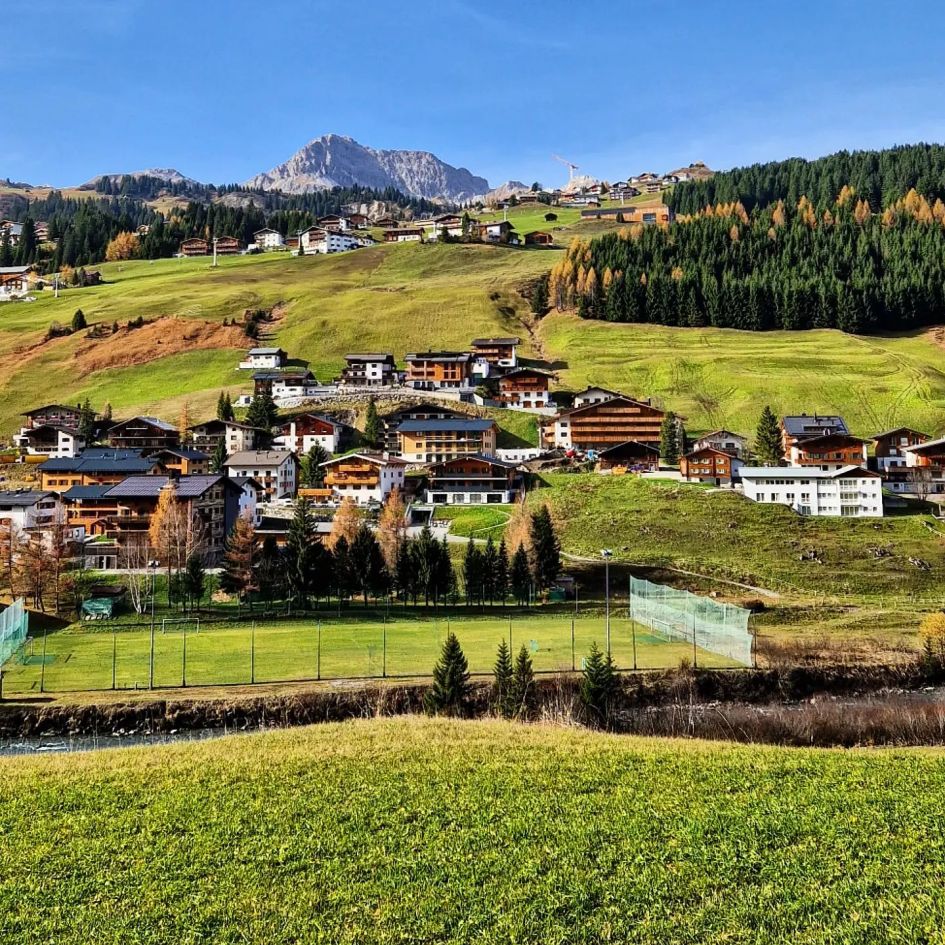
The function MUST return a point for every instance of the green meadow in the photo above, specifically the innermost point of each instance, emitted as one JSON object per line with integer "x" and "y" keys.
{"x": 410, "y": 830}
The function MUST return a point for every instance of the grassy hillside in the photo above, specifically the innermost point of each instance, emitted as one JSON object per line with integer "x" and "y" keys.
{"x": 716, "y": 532}
{"x": 389, "y": 298}
{"x": 410, "y": 830}
{"x": 407, "y": 297}
{"x": 722, "y": 378}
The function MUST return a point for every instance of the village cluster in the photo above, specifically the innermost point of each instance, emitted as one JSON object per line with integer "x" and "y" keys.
{"x": 104, "y": 486}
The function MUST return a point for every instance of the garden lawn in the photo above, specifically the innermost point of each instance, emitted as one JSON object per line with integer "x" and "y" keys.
{"x": 430, "y": 831}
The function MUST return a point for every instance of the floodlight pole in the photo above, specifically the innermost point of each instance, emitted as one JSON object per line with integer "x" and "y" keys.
{"x": 607, "y": 554}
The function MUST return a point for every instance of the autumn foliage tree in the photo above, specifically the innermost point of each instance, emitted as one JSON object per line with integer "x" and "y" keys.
{"x": 123, "y": 246}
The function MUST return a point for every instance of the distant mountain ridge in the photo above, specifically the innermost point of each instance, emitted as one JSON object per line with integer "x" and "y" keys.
{"x": 339, "y": 161}
{"x": 168, "y": 174}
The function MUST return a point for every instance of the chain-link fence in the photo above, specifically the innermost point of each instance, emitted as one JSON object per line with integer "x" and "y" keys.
{"x": 708, "y": 625}
{"x": 14, "y": 622}
{"x": 358, "y": 644}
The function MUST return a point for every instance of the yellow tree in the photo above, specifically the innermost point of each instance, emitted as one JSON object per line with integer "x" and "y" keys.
{"x": 346, "y": 523}
{"x": 391, "y": 528}
{"x": 183, "y": 426}
{"x": 932, "y": 638}
{"x": 778, "y": 216}
{"x": 123, "y": 246}
{"x": 861, "y": 212}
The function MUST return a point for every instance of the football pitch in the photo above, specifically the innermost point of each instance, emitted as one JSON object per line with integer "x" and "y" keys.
{"x": 96, "y": 656}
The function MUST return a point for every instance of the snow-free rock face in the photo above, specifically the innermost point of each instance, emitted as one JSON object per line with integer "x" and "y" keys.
{"x": 339, "y": 161}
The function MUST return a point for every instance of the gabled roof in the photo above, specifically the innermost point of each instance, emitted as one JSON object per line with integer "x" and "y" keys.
{"x": 385, "y": 356}
{"x": 470, "y": 424}
{"x": 805, "y": 472}
{"x": 183, "y": 452}
{"x": 646, "y": 447}
{"x": 85, "y": 492}
{"x": 715, "y": 451}
{"x": 715, "y": 433}
{"x": 603, "y": 403}
{"x": 36, "y": 410}
{"x": 603, "y": 390}
{"x": 217, "y": 423}
{"x": 378, "y": 459}
{"x": 22, "y": 498}
{"x": 311, "y": 416}
{"x": 187, "y": 487}
{"x": 518, "y": 372}
{"x": 885, "y": 433}
{"x": 151, "y": 421}
{"x": 482, "y": 457}
{"x": 439, "y": 356}
{"x": 804, "y": 425}
{"x": 253, "y": 351}
{"x": 488, "y": 342}
{"x": 259, "y": 457}
{"x": 102, "y": 463}
{"x": 929, "y": 444}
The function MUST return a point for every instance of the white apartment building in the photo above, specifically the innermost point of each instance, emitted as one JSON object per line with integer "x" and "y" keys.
{"x": 268, "y": 239}
{"x": 274, "y": 470}
{"x": 850, "y": 492}
{"x": 24, "y": 509}
{"x": 262, "y": 359}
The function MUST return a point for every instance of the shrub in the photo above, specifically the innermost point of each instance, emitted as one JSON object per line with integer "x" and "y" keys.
{"x": 932, "y": 639}
{"x": 599, "y": 687}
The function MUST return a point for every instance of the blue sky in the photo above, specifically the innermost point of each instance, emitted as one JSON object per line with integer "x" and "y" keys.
{"x": 223, "y": 90}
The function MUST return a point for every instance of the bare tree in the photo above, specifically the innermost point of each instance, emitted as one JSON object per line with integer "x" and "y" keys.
{"x": 133, "y": 559}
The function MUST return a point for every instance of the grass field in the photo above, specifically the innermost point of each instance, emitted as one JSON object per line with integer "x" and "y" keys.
{"x": 81, "y": 658}
{"x": 722, "y": 378}
{"x": 409, "y": 830}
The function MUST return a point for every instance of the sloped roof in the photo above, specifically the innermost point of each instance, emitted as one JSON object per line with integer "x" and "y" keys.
{"x": 471, "y": 424}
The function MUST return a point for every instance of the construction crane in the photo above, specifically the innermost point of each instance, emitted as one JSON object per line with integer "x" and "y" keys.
{"x": 571, "y": 167}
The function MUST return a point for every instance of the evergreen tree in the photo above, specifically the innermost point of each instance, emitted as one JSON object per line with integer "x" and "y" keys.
{"x": 195, "y": 579}
{"x": 769, "y": 448}
{"x": 228, "y": 413}
{"x": 78, "y": 320}
{"x": 341, "y": 569}
{"x": 372, "y": 425}
{"x": 298, "y": 553}
{"x": 449, "y": 694}
{"x": 87, "y": 422}
{"x": 546, "y": 549}
{"x": 218, "y": 456}
{"x": 221, "y": 406}
{"x": 522, "y": 693}
{"x": 473, "y": 573}
{"x": 521, "y": 576}
{"x": 600, "y": 685}
{"x": 490, "y": 565}
{"x": 539, "y": 303}
{"x": 312, "y": 473}
{"x": 262, "y": 412}
{"x": 502, "y": 573}
{"x": 366, "y": 564}
{"x": 270, "y": 571}
{"x": 503, "y": 673}
{"x": 669, "y": 439}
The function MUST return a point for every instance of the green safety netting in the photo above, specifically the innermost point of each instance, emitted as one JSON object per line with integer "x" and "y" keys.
{"x": 14, "y": 622}
{"x": 679, "y": 615}
{"x": 97, "y": 607}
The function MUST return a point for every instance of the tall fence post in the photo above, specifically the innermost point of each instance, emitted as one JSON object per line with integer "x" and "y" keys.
{"x": 510, "y": 634}
{"x": 114, "y": 655}
{"x": 252, "y": 654}
{"x": 42, "y": 669}
{"x": 318, "y": 652}
{"x": 633, "y": 627}
{"x": 572, "y": 645}
{"x": 692, "y": 617}
{"x": 384, "y": 650}
{"x": 151, "y": 656}
{"x": 183, "y": 664}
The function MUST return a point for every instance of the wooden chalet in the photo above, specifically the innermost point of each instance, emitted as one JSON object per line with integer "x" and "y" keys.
{"x": 435, "y": 369}
{"x": 366, "y": 477}
{"x": 228, "y": 246}
{"x": 629, "y": 457}
{"x": 833, "y": 451}
{"x": 499, "y": 352}
{"x": 182, "y": 461}
{"x": 597, "y": 426}
{"x": 56, "y": 414}
{"x": 473, "y": 480}
{"x": 889, "y": 447}
{"x": 525, "y": 388}
{"x": 631, "y": 214}
{"x": 431, "y": 441}
{"x": 143, "y": 433}
{"x": 710, "y": 465}
{"x": 806, "y": 427}
{"x": 539, "y": 238}
{"x": 194, "y": 247}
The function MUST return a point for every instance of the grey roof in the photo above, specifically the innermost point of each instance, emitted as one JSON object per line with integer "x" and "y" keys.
{"x": 374, "y": 356}
{"x": 804, "y": 425}
{"x": 259, "y": 458}
{"x": 188, "y": 487}
{"x": 216, "y": 422}
{"x": 101, "y": 464}
{"x": 185, "y": 452}
{"x": 266, "y": 351}
{"x": 22, "y": 498}
{"x": 924, "y": 446}
{"x": 379, "y": 458}
{"x": 469, "y": 424}
{"x": 86, "y": 492}
{"x": 481, "y": 342}
{"x": 439, "y": 356}
{"x": 13, "y": 270}
{"x": 803, "y": 472}
{"x": 36, "y": 410}
{"x": 617, "y": 447}
{"x": 885, "y": 433}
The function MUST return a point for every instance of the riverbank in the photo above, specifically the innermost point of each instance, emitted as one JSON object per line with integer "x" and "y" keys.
{"x": 843, "y": 705}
